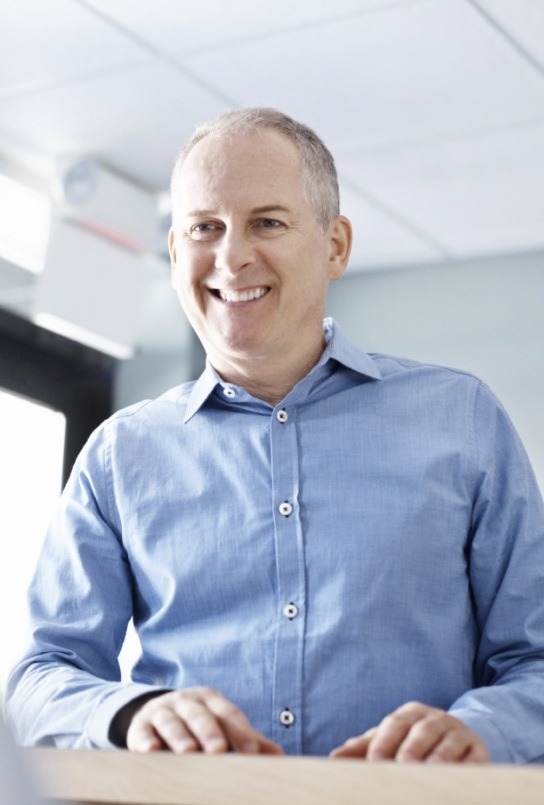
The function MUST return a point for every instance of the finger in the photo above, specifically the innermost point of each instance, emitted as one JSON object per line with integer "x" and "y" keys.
{"x": 238, "y": 731}
{"x": 240, "y": 736}
{"x": 435, "y": 730}
{"x": 159, "y": 729}
{"x": 170, "y": 729}
{"x": 392, "y": 731}
{"x": 195, "y": 717}
{"x": 354, "y": 747}
{"x": 141, "y": 737}
{"x": 181, "y": 722}
{"x": 268, "y": 747}
{"x": 460, "y": 746}
{"x": 234, "y": 727}
{"x": 478, "y": 753}
{"x": 453, "y": 748}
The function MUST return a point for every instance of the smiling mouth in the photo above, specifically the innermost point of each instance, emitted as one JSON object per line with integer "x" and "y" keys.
{"x": 247, "y": 295}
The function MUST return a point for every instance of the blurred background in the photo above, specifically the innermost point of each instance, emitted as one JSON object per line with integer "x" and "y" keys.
{"x": 434, "y": 111}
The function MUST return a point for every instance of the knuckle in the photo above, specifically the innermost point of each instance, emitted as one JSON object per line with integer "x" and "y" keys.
{"x": 413, "y": 708}
{"x": 419, "y": 734}
{"x": 157, "y": 703}
{"x": 226, "y": 709}
{"x": 398, "y": 718}
{"x": 187, "y": 694}
{"x": 163, "y": 717}
{"x": 436, "y": 721}
{"x": 205, "y": 692}
{"x": 395, "y": 718}
{"x": 198, "y": 715}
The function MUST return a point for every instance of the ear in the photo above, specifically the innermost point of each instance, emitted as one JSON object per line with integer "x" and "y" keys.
{"x": 172, "y": 252}
{"x": 340, "y": 239}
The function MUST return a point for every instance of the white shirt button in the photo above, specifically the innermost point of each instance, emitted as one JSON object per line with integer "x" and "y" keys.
{"x": 287, "y": 718}
{"x": 229, "y": 392}
{"x": 282, "y": 416}
{"x": 285, "y": 509}
{"x": 290, "y": 610}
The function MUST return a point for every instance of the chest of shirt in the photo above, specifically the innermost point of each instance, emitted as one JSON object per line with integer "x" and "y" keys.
{"x": 338, "y": 491}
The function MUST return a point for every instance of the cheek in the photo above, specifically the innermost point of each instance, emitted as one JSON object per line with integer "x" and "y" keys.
{"x": 188, "y": 271}
{"x": 192, "y": 293}
{"x": 312, "y": 276}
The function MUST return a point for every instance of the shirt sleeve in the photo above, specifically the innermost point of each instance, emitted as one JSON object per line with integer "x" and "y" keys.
{"x": 67, "y": 687}
{"x": 506, "y": 569}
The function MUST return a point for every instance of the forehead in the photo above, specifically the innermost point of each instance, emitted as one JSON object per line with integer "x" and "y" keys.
{"x": 238, "y": 165}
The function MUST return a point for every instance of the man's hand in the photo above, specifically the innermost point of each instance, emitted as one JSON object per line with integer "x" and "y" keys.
{"x": 417, "y": 732}
{"x": 195, "y": 720}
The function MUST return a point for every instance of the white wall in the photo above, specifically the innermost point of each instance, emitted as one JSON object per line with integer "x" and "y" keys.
{"x": 149, "y": 374}
{"x": 485, "y": 316}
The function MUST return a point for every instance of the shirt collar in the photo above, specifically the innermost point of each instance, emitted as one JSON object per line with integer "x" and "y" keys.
{"x": 201, "y": 390}
{"x": 339, "y": 348}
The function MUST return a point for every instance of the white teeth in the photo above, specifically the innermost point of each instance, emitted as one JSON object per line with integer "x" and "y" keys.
{"x": 242, "y": 296}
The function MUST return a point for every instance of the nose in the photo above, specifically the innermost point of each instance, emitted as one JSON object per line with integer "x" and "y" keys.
{"x": 234, "y": 251}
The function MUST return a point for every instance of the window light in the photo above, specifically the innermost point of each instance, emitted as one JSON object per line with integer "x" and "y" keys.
{"x": 26, "y": 217}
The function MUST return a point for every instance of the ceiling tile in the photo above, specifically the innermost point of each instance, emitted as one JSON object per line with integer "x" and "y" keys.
{"x": 378, "y": 240}
{"x": 135, "y": 120}
{"x": 522, "y": 19}
{"x": 51, "y": 43}
{"x": 480, "y": 195}
{"x": 421, "y": 69}
{"x": 177, "y": 27}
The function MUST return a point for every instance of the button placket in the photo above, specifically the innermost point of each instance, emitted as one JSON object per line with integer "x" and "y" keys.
{"x": 290, "y": 582}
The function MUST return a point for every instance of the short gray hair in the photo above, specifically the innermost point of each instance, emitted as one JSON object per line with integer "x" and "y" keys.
{"x": 318, "y": 168}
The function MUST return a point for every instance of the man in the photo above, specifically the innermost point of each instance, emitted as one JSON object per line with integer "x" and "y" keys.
{"x": 324, "y": 552}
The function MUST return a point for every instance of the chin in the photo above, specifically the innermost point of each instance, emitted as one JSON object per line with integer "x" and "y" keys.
{"x": 243, "y": 348}
{"x": 241, "y": 342}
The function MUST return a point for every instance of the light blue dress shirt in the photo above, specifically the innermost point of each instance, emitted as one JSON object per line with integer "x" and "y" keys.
{"x": 377, "y": 537}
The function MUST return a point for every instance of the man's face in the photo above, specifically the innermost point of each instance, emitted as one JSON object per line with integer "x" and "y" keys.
{"x": 250, "y": 263}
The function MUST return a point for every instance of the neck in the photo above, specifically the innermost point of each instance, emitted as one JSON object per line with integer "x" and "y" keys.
{"x": 269, "y": 379}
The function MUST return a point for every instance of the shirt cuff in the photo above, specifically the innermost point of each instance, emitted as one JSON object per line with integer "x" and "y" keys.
{"x": 98, "y": 728}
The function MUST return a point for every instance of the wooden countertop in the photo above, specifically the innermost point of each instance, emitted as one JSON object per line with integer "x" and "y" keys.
{"x": 161, "y": 778}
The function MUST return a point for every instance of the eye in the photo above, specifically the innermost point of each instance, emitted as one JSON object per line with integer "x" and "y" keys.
{"x": 270, "y": 224}
{"x": 204, "y": 228}
{"x": 203, "y": 231}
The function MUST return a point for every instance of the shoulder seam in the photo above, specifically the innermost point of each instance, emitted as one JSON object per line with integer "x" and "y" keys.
{"x": 408, "y": 363}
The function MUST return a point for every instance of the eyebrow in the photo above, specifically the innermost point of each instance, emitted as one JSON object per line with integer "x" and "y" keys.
{"x": 254, "y": 211}
{"x": 270, "y": 208}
